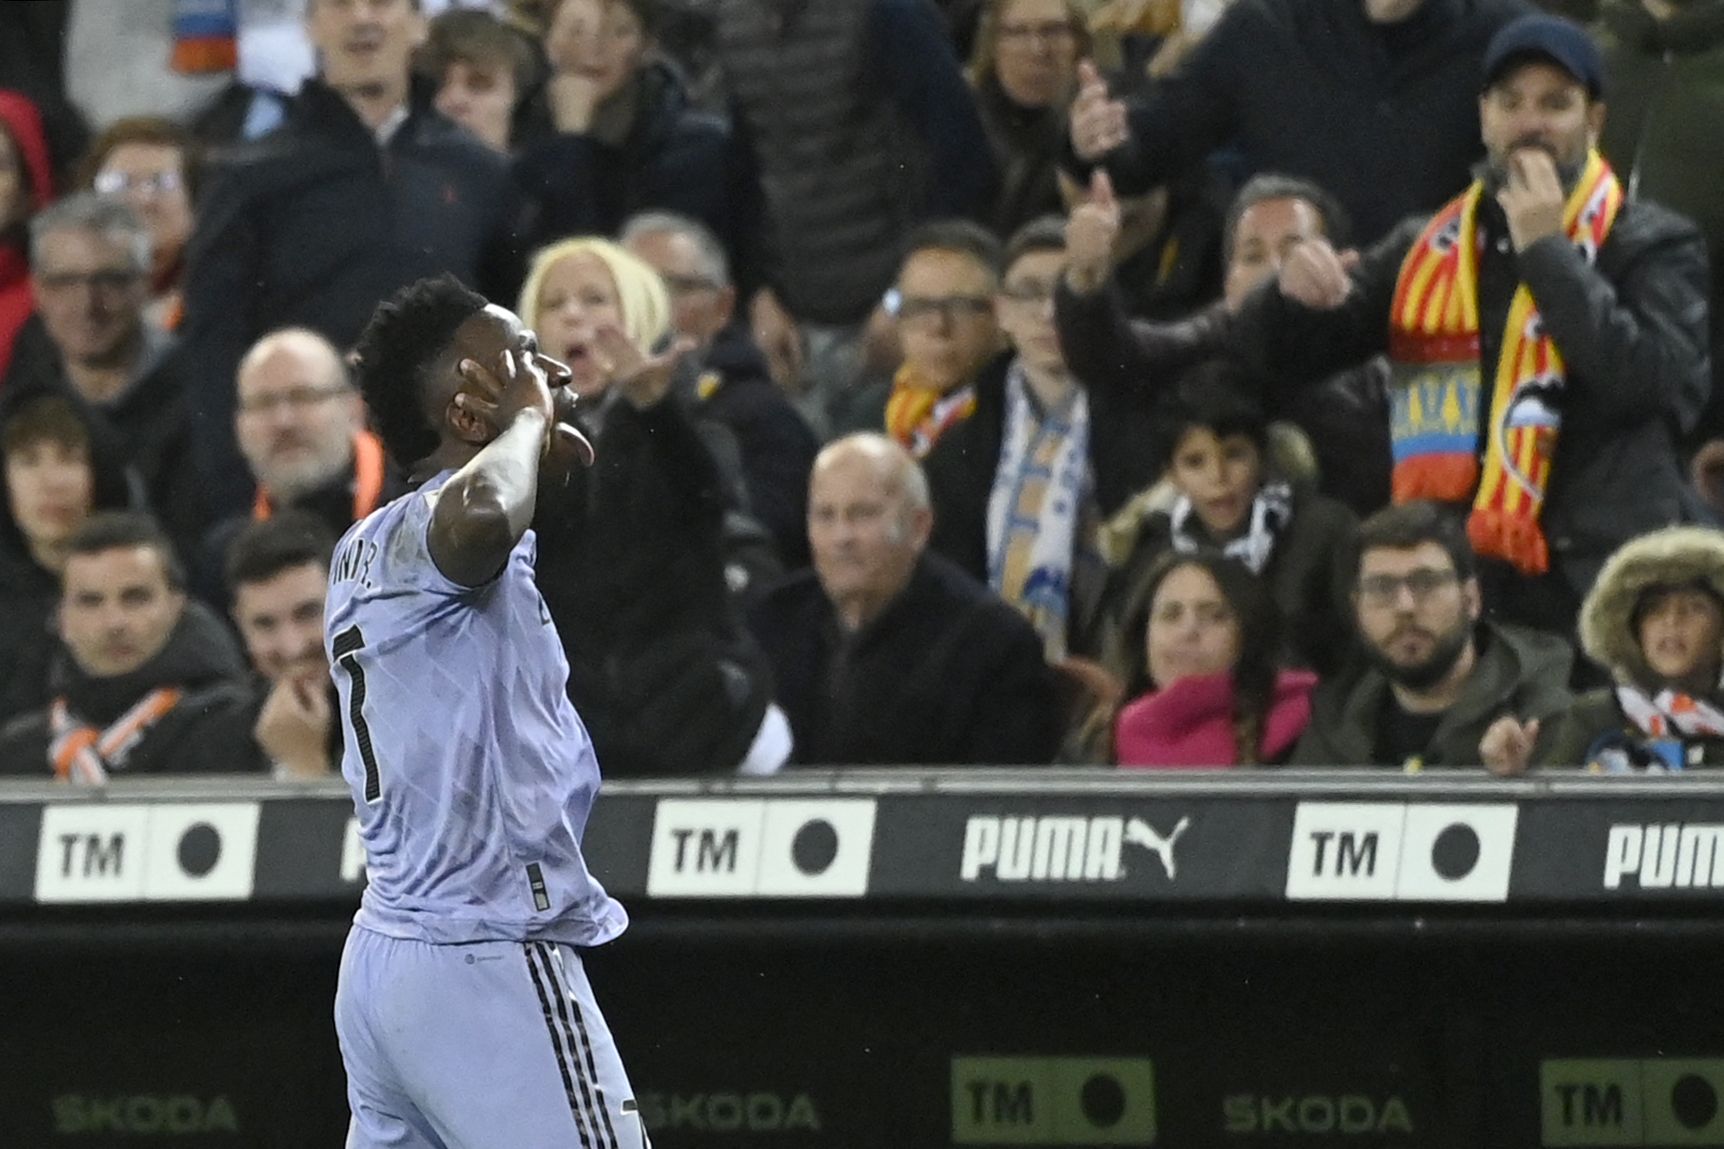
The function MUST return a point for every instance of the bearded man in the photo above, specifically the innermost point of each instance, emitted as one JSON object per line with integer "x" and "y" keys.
{"x": 1435, "y": 676}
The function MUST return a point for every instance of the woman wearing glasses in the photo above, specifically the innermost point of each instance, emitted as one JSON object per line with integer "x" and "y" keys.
{"x": 1024, "y": 72}
{"x": 150, "y": 163}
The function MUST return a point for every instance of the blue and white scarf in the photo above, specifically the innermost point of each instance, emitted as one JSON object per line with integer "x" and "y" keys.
{"x": 1038, "y": 508}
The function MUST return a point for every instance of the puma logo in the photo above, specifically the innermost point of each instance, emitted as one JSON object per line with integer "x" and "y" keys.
{"x": 1141, "y": 833}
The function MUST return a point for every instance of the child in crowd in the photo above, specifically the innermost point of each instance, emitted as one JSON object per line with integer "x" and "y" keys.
{"x": 1655, "y": 619}
{"x": 1232, "y": 497}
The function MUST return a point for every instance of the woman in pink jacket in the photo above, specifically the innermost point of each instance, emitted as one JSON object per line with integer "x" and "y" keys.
{"x": 1211, "y": 636}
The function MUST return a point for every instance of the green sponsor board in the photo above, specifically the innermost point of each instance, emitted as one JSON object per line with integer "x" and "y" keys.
{"x": 1053, "y": 1101}
{"x": 1662, "y": 1101}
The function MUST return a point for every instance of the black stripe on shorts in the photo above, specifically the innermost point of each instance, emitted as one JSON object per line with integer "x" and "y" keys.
{"x": 587, "y": 1083}
{"x": 545, "y": 983}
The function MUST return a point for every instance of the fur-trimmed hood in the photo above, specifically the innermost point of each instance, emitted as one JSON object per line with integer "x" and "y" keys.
{"x": 1673, "y": 556}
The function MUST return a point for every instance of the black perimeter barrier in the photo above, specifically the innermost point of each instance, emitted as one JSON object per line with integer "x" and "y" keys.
{"x": 916, "y": 960}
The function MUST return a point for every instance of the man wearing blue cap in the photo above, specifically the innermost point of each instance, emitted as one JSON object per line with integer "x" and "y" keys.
{"x": 1548, "y": 336}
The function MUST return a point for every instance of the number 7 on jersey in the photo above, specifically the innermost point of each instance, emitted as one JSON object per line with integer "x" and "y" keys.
{"x": 347, "y": 646}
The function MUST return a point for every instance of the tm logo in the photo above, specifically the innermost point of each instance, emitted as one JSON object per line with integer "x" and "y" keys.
{"x": 1354, "y": 854}
{"x": 1062, "y": 848}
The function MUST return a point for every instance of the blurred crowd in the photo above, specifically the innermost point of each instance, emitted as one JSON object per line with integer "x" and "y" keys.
{"x": 1148, "y": 383}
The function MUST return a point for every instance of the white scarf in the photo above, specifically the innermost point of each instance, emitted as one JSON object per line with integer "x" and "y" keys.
{"x": 1041, "y": 490}
{"x": 1271, "y": 511}
{"x": 1663, "y": 728}
{"x": 1671, "y": 714}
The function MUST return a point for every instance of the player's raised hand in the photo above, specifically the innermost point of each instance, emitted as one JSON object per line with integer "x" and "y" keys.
{"x": 1315, "y": 274}
{"x": 644, "y": 377}
{"x": 1098, "y": 120}
{"x": 1091, "y": 232}
{"x": 498, "y": 395}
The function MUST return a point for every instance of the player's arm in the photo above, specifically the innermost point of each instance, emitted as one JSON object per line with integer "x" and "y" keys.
{"x": 487, "y": 505}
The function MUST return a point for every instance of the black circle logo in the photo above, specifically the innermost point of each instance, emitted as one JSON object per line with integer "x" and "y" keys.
{"x": 1693, "y": 1101}
{"x": 1103, "y": 1101}
{"x": 200, "y": 849}
{"x": 814, "y": 847}
{"x": 1455, "y": 852}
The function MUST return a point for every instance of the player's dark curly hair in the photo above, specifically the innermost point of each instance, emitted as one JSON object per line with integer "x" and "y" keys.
{"x": 406, "y": 336}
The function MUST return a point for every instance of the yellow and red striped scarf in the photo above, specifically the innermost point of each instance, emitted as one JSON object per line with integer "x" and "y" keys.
{"x": 917, "y": 414}
{"x": 1434, "y": 343}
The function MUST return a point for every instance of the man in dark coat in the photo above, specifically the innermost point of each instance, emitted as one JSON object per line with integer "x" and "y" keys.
{"x": 365, "y": 189}
{"x": 1345, "y": 417}
{"x": 732, "y": 385}
{"x": 887, "y": 654}
{"x": 629, "y": 141}
{"x": 1436, "y": 677}
{"x": 148, "y": 683}
{"x": 1371, "y": 99}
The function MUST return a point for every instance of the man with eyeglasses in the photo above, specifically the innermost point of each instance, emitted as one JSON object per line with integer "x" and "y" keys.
{"x": 301, "y": 427}
{"x": 1019, "y": 487}
{"x": 1435, "y": 674}
{"x": 90, "y": 262}
{"x": 948, "y": 336}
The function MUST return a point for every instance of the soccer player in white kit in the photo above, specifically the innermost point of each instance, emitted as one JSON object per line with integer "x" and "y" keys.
{"x": 464, "y": 1016}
